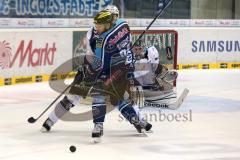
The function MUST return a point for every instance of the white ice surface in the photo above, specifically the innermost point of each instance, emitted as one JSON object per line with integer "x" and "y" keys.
{"x": 213, "y": 133}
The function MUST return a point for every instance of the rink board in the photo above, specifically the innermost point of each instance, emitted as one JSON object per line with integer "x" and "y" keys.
{"x": 228, "y": 65}
{"x": 32, "y": 59}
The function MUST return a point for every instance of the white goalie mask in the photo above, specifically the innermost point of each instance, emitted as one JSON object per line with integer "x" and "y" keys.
{"x": 152, "y": 54}
{"x": 152, "y": 57}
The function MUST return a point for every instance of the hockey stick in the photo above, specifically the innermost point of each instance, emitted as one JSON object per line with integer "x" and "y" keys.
{"x": 172, "y": 106}
{"x": 33, "y": 120}
{"x": 167, "y": 3}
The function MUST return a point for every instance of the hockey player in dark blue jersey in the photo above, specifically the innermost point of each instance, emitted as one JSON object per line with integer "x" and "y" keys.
{"x": 112, "y": 48}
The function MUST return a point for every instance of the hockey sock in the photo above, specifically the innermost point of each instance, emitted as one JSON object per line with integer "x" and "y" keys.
{"x": 62, "y": 108}
{"x": 128, "y": 111}
{"x": 137, "y": 110}
{"x": 98, "y": 109}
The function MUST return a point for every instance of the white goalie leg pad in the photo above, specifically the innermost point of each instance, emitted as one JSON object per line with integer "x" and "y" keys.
{"x": 137, "y": 95}
{"x": 163, "y": 99}
{"x": 173, "y": 104}
{"x": 140, "y": 98}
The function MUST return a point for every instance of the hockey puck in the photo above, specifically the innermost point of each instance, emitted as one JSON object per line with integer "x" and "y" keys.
{"x": 72, "y": 148}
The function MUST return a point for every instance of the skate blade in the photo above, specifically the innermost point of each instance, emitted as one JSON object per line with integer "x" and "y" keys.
{"x": 142, "y": 134}
{"x": 95, "y": 140}
{"x": 44, "y": 130}
{"x": 150, "y": 131}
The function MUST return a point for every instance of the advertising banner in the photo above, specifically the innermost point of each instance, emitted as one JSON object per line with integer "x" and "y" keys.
{"x": 51, "y": 8}
{"x": 33, "y": 53}
{"x": 208, "y": 45}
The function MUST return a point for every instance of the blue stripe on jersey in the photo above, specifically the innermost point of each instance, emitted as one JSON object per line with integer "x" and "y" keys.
{"x": 98, "y": 52}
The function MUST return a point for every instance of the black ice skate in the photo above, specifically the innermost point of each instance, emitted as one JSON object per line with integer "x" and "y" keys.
{"x": 141, "y": 126}
{"x": 147, "y": 126}
{"x": 46, "y": 127}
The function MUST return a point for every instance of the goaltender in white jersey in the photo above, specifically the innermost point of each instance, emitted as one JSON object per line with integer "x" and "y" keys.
{"x": 146, "y": 67}
{"x": 155, "y": 79}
